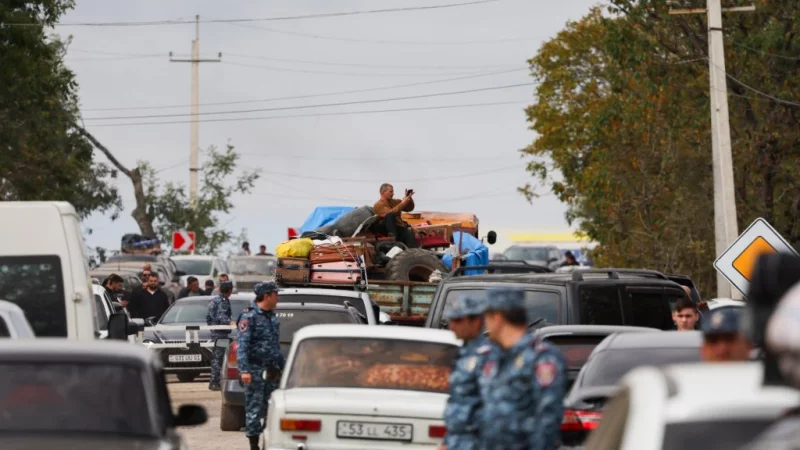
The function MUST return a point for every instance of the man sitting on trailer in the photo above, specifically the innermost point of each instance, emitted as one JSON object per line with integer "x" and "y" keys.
{"x": 389, "y": 210}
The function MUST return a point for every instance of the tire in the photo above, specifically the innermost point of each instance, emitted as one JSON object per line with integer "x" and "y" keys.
{"x": 414, "y": 264}
{"x": 231, "y": 418}
{"x": 187, "y": 377}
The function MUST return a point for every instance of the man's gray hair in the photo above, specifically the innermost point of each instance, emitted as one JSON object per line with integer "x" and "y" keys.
{"x": 385, "y": 186}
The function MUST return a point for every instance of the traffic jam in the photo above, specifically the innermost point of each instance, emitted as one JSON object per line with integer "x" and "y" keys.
{"x": 337, "y": 342}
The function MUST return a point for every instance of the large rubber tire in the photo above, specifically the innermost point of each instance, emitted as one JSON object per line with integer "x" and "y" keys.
{"x": 414, "y": 264}
{"x": 187, "y": 377}
{"x": 231, "y": 418}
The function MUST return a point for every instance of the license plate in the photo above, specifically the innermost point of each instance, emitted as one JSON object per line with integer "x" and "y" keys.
{"x": 374, "y": 430}
{"x": 185, "y": 358}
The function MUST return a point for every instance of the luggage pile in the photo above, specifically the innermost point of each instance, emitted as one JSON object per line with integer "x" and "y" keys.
{"x": 331, "y": 261}
{"x": 132, "y": 243}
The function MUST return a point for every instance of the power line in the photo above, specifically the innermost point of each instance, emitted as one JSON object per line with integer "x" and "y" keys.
{"x": 371, "y": 66}
{"x": 327, "y": 94}
{"x": 264, "y": 19}
{"x": 761, "y": 93}
{"x": 306, "y": 157}
{"x": 345, "y": 113}
{"x": 323, "y": 105}
{"x": 324, "y": 72}
{"x": 773, "y": 55}
{"x": 379, "y": 180}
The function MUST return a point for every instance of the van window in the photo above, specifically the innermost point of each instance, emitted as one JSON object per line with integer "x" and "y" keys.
{"x": 650, "y": 309}
{"x": 36, "y": 284}
{"x": 600, "y": 305}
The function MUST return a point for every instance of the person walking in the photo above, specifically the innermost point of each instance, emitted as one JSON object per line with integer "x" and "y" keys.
{"x": 219, "y": 313}
{"x": 523, "y": 384}
{"x": 259, "y": 353}
{"x": 192, "y": 288}
{"x": 463, "y": 410}
{"x": 149, "y": 302}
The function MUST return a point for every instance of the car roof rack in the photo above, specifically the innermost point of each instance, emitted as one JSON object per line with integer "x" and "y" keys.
{"x": 613, "y": 274}
{"x": 502, "y": 269}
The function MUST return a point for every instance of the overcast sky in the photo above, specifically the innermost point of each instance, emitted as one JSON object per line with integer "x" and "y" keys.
{"x": 457, "y": 159}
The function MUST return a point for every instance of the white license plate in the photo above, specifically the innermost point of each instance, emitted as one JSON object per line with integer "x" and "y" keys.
{"x": 374, "y": 430}
{"x": 185, "y": 358}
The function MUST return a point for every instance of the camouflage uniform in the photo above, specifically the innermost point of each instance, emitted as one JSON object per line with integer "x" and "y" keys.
{"x": 259, "y": 350}
{"x": 523, "y": 389}
{"x": 219, "y": 313}
{"x": 462, "y": 413}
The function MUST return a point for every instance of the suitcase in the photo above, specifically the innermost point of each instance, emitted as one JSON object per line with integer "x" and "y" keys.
{"x": 341, "y": 272}
{"x": 328, "y": 253}
{"x": 293, "y": 271}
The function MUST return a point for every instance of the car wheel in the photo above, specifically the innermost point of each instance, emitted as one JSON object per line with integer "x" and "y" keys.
{"x": 187, "y": 377}
{"x": 231, "y": 418}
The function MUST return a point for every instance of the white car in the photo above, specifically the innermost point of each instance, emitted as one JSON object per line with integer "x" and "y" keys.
{"x": 104, "y": 307}
{"x": 201, "y": 267}
{"x": 691, "y": 407}
{"x": 357, "y": 387}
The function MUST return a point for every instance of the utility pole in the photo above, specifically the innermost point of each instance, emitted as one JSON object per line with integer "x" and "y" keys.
{"x": 194, "y": 163}
{"x": 726, "y": 230}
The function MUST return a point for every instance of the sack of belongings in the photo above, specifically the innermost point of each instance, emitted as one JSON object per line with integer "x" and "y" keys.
{"x": 348, "y": 223}
{"x": 137, "y": 243}
{"x": 295, "y": 248}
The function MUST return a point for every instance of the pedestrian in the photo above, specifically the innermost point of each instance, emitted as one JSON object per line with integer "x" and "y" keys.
{"x": 522, "y": 383}
{"x": 685, "y": 314}
{"x": 245, "y": 250}
{"x": 219, "y": 313}
{"x": 262, "y": 250}
{"x": 113, "y": 286}
{"x": 463, "y": 410}
{"x": 149, "y": 302}
{"x": 259, "y": 352}
{"x": 223, "y": 277}
{"x": 569, "y": 260}
{"x": 209, "y": 287}
{"x": 723, "y": 340}
{"x": 192, "y": 288}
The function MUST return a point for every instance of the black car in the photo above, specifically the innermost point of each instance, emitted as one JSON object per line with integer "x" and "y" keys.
{"x": 89, "y": 395}
{"x": 292, "y": 316}
{"x": 189, "y": 361}
{"x": 641, "y": 298}
{"x": 577, "y": 342}
{"x": 608, "y": 363}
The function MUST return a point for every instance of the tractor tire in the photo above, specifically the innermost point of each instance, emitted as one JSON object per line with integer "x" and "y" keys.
{"x": 414, "y": 264}
{"x": 231, "y": 418}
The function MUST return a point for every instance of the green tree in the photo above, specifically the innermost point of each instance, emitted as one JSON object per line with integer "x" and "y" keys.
{"x": 43, "y": 156}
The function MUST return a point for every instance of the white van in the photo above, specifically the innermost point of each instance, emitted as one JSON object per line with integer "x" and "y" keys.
{"x": 43, "y": 268}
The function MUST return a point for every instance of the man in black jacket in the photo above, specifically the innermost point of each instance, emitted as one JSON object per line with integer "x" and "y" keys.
{"x": 149, "y": 302}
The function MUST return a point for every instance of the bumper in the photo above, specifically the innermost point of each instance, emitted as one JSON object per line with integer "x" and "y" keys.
{"x": 232, "y": 392}
{"x": 202, "y": 366}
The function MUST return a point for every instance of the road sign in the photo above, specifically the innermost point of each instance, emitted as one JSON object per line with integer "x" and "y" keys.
{"x": 738, "y": 261}
{"x": 183, "y": 241}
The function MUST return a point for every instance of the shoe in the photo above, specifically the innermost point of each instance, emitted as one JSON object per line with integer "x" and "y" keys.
{"x": 214, "y": 387}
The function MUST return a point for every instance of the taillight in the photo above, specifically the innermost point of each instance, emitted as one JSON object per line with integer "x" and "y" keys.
{"x": 575, "y": 420}
{"x": 232, "y": 368}
{"x": 300, "y": 425}
{"x": 437, "y": 431}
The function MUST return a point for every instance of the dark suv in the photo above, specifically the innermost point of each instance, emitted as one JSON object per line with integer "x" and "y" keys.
{"x": 641, "y": 298}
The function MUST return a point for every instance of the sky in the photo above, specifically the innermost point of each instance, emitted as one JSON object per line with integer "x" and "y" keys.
{"x": 457, "y": 159}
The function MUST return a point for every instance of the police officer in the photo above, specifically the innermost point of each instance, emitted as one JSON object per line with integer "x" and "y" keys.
{"x": 723, "y": 340}
{"x": 462, "y": 414}
{"x": 219, "y": 313}
{"x": 523, "y": 383}
{"x": 259, "y": 350}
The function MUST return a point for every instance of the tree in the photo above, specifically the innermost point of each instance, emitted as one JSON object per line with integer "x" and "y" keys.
{"x": 43, "y": 156}
{"x": 622, "y": 111}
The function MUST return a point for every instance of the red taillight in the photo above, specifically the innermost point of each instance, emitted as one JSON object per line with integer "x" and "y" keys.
{"x": 232, "y": 368}
{"x": 300, "y": 425}
{"x": 575, "y": 420}
{"x": 437, "y": 431}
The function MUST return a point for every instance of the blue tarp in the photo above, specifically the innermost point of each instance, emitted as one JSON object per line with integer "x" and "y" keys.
{"x": 324, "y": 215}
{"x": 477, "y": 253}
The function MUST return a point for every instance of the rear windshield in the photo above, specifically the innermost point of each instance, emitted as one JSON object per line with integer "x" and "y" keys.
{"x": 372, "y": 363}
{"x": 576, "y": 349}
{"x": 607, "y": 367}
{"x": 713, "y": 435}
{"x": 194, "y": 266}
{"x": 540, "y": 304}
{"x": 261, "y": 265}
{"x": 73, "y": 398}
{"x": 35, "y": 284}
{"x": 195, "y": 312}
{"x": 325, "y": 299}
{"x": 294, "y": 319}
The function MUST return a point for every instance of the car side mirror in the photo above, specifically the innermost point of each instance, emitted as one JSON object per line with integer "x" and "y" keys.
{"x": 222, "y": 343}
{"x": 491, "y": 237}
{"x": 179, "y": 273}
{"x": 552, "y": 260}
{"x": 117, "y": 306}
{"x": 119, "y": 327}
{"x": 189, "y": 415}
{"x": 443, "y": 323}
{"x": 150, "y": 321}
{"x": 175, "y": 279}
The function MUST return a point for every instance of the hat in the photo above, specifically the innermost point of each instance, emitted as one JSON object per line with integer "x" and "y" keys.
{"x": 505, "y": 299}
{"x": 267, "y": 287}
{"x": 464, "y": 307}
{"x": 226, "y": 286}
{"x": 723, "y": 321}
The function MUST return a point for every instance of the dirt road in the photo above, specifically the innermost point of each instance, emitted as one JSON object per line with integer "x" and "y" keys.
{"x": 207, "y": 436}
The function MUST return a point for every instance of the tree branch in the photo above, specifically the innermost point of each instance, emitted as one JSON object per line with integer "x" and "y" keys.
{"x": 103, "y": 149}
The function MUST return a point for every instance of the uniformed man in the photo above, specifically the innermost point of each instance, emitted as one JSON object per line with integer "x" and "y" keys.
{"x": 259, "y": 351}
{"x": 219, "y": 313}
{"x": 723, "y": 340}
{"x": 462, "y": 414}
{"x": 523, "y": 383}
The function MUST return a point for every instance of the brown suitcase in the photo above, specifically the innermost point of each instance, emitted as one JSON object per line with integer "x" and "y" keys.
{"x": 328, "y": 253}
{"x": 293, "y": 271}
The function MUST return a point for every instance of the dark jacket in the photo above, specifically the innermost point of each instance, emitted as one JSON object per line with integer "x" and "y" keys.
{"x": 144, "y": 304}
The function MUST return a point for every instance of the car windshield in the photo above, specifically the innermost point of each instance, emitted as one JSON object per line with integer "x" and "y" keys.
{"x": 260, "y": 265}
{"x": 44, "y": 397}
{"x": 372, "y": 363}
{"x": 540, "y": 304}
{"x": 526, "y": 253}
{"x": 608, "y": 366}
{"x": 713, "y": 435}
{"x": 195, "y": 311}
{"x": 294, "y": 319}
{"x": 194, "y": 266}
